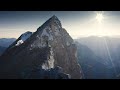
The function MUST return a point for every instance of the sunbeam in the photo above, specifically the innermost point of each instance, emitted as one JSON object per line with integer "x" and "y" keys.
{"x": 110, "y": 58}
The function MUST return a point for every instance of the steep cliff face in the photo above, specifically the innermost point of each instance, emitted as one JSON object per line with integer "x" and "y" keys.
{"x": 48, "y": 48}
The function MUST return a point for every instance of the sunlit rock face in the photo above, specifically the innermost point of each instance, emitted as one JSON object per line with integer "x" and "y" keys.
{"x": 49, "y": 53}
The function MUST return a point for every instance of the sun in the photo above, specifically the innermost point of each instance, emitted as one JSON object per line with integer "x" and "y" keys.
{"x": 99, "y": 17}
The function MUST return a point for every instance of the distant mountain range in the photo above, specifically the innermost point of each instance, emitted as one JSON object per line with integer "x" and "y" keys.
{"x": 106, "y": 48}
{"x": 4, "y": 43}
{"x": 92, "y": 65}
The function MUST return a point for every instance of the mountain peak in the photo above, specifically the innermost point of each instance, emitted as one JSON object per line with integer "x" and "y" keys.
{"x": 55, "y": 19}
{"x": 37, "y": 57}
{"x": 54, "y": 16}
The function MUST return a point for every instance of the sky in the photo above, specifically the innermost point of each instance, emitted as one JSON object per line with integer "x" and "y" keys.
{"x": 77, "y": 23}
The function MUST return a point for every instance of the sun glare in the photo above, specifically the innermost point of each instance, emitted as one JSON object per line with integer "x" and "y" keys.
{"x": 99, "y": 17}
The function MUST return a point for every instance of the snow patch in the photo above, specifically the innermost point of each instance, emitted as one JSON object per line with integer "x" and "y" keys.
{"x": 45, "y": 33}
{"x": 31, "y": 46}
{"x": 56, "y": 31}
{"x": 50, "y": 62}
{"x": 38, "y": 36}
{"x": 25, "y": 36}
{"x": 45, "y": 66}
{"x": 19, "y": 42}
{"x": 49, "y": 45}
{"x": 76, "y": 54}
{"x": 62, "y": 46}
{"x": 68, "y": 44}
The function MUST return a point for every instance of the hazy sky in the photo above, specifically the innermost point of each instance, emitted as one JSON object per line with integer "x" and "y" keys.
{"x": 77, "y": 23}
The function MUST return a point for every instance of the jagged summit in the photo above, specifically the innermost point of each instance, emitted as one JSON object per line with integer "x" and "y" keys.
{"x": 54, "y": 18}
{"x": 51, "y": 21}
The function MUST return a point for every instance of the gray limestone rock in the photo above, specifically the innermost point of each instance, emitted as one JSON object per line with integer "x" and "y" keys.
{"x": 41, "y": 54}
